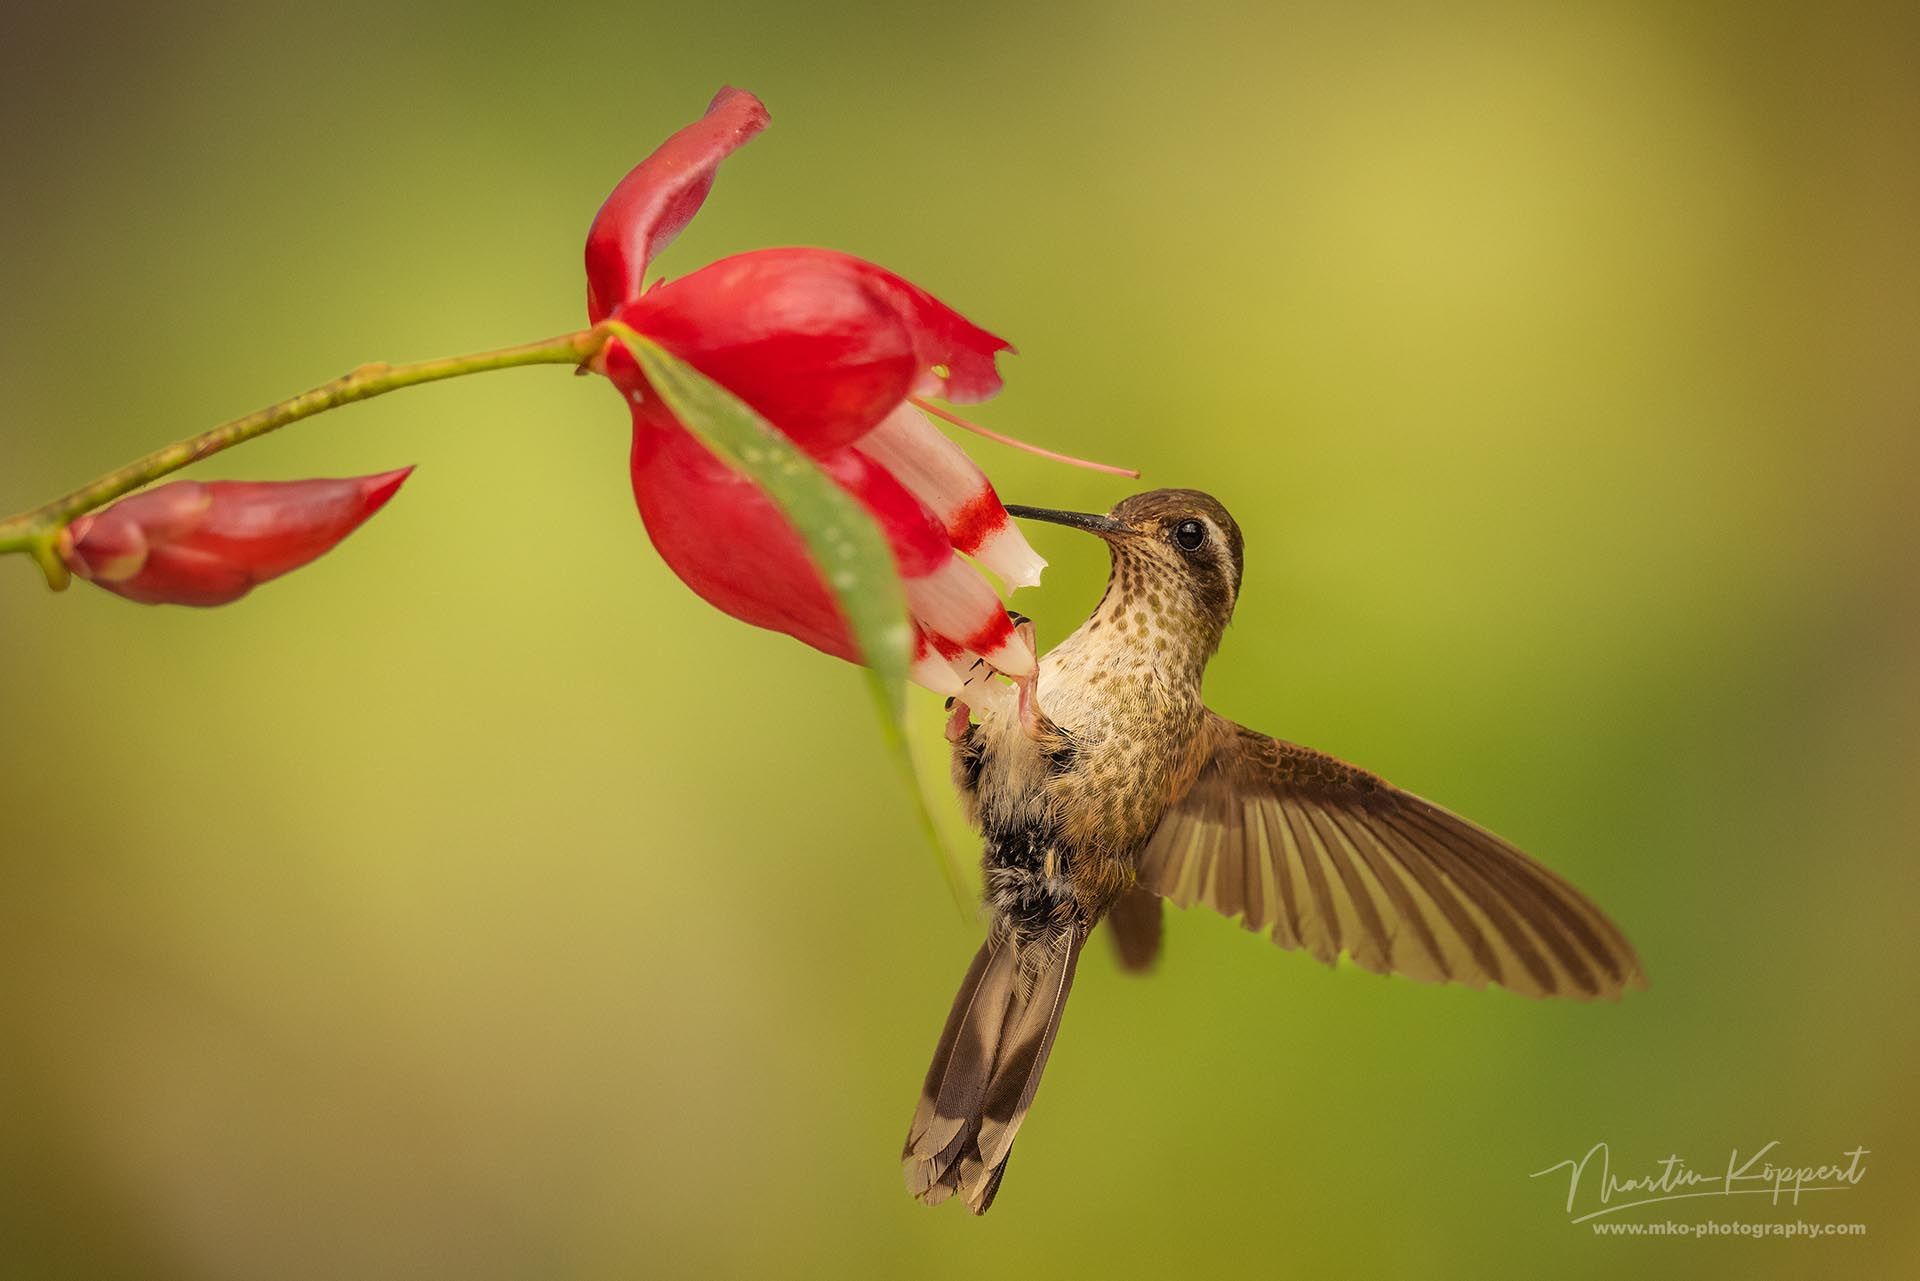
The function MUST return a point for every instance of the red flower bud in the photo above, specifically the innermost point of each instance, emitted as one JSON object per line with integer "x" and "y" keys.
{"x": 194, "y": 543}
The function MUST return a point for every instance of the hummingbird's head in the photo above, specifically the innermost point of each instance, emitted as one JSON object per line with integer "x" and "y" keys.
{"x": 1179, "y": 539}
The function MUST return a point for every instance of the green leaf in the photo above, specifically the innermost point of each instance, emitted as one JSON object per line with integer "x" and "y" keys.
{"x": 845, "y": 543}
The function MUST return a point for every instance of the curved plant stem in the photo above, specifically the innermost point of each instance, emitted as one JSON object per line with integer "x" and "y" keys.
{"x": 38, "y": 532}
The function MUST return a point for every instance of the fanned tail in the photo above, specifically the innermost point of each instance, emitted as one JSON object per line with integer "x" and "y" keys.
{"x": 987, "y": 1066}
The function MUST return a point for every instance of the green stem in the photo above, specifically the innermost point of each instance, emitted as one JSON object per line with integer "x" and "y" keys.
{"x": 38, "y": 532}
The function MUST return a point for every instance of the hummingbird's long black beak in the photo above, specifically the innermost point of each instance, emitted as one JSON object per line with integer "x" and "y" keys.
{"x": 1105, "y": 526}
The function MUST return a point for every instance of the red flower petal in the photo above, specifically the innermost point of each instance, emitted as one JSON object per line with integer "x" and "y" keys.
{"x": 188, "y": 543}
{"x": 930, "y": 668}
{"x": 793, "y": 332}
{"x": 957, "y": 608}
{"x": 725, "y": 539}
{"x": 822, "y": 345}
{"x": 940, "y": 474}
{"x": 659, "y": 197}
{"x": 956, "y": 356}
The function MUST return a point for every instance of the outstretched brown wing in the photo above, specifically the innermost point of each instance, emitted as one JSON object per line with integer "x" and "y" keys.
{"x": 1328, "y": 858}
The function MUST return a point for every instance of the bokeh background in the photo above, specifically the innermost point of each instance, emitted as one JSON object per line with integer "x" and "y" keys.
{"x": 478, "y": 904}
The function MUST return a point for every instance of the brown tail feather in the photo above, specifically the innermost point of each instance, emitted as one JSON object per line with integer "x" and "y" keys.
{"x": 987, "y": 1066}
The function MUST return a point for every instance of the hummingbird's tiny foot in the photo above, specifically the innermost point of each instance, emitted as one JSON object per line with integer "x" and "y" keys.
{"x": 1023, "y": 629}
{"x": 960, "y": 723}
{"x": 1034, "y": 723}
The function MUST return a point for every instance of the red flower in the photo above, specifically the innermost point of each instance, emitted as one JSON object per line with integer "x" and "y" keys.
{"x": 189, "y": 543}
{"x": 828, "y": 349}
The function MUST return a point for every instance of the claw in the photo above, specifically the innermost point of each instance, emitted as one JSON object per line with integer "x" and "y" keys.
{"x": 1034, "y": 723}
{"x": 1023, "y": 628}
{"x": 960, "y": 723}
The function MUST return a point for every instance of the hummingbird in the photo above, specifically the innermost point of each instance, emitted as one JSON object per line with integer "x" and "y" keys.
{"x": 1103, "y": 784}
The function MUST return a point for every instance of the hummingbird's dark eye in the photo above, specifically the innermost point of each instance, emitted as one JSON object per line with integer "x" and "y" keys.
{"x": 1189, "y": 534}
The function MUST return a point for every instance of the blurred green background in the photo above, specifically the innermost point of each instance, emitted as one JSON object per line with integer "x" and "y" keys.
{"x": 478, "y": 904}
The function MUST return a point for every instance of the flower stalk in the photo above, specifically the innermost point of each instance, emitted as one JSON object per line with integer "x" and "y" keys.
{"x": 38, "y": 532}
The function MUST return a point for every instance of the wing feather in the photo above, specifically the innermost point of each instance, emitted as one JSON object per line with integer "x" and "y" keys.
{"x": 1319, "y": 922}
{"x": 1412, "y": 947}
{"x": 1329, "y": 859}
